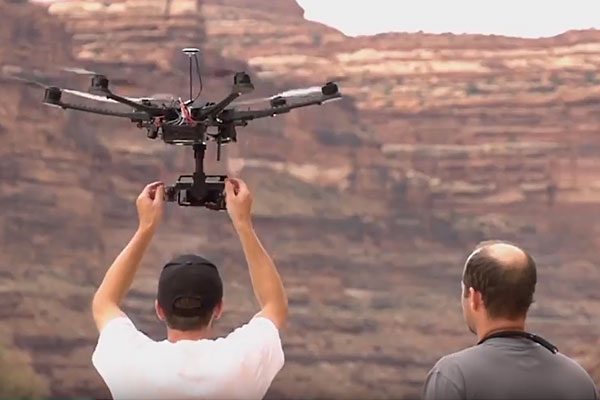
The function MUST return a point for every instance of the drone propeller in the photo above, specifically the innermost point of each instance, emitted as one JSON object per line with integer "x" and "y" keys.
{"x": 47, "y": 74}
{"x": 26, "y": 81}
{"x": 79, "y": 71}
{"x": 338, "y": 78}
{"x": 307, "y": 92}
{"x": 302, "y": 92}
{"x": 219, "y": 73}
{"x": 17, "y": 74}
{"x": 119, "y": 80}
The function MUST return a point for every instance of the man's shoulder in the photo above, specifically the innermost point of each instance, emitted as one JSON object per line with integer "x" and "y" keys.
{"x": 447, "y": 378}
{"x": 258, "y": 327}
{"x": 459, "y": 358}
{"x": 120, "y": 336}
{"x": 571, "y": 365}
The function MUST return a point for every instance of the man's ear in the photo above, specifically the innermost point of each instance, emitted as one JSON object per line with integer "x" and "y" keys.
{"x": 159, "y": 311}
{"x": 475, "y": 299}
{"x": 218, "y": 311}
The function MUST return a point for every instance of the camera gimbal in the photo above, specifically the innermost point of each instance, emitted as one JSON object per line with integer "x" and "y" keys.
{"x": 199, "y": 189}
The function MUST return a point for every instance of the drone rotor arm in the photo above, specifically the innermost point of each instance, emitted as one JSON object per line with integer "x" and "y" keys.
{"x": 99, "y": 87}
{"x": 52, "y": 98}
{"x": 220, "y": 106}
{"x": 154, "y": 111}
{"x": 134, "y": 116}
{"x": 276, "y": 110}
{"x": 242, "y": 84}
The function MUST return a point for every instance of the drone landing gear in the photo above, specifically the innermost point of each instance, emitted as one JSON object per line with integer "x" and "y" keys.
{"x": 199, "y": 189}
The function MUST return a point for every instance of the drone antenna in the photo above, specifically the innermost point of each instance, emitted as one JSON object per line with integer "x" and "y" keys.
{"x": 191, "y": 52}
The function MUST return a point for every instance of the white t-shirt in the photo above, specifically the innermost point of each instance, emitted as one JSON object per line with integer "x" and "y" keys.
{"x": 239, "y": 366}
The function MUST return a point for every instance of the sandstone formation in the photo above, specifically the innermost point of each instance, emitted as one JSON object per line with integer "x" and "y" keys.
{"x": 368, "y": 204}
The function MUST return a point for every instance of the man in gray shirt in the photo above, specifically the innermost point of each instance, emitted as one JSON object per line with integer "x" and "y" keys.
{"x": 508, "y": 363}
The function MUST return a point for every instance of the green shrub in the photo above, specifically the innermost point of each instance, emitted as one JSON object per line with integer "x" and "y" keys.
{"x": 473, "y": 89}
{"x": 18, "y": 381}
{"x": 590, "y": 77}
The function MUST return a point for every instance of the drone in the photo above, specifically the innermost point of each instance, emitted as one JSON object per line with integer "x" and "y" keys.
{"x": 183, "y": 123}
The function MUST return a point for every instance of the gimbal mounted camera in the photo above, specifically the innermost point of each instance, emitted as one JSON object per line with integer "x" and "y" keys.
{"x": 199, "y": 189}
{"x": 181, "y": 123}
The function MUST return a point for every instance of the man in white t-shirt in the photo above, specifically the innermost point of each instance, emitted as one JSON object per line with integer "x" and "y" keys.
{"x": 189, "y": 364}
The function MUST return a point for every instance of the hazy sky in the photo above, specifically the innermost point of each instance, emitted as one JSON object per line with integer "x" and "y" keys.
{"x": 525, "y": 18}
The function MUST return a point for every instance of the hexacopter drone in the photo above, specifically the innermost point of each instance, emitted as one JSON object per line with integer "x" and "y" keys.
{"x": 181, "y": 123}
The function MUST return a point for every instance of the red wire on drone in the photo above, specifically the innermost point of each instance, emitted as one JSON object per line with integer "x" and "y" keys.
{"x": 186, "y": 113}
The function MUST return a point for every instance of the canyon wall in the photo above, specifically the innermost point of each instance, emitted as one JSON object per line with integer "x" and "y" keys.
{"x": 368, "y": 205}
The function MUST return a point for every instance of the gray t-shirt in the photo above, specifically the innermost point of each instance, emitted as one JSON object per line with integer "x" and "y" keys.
{"x": 508, "y": 368}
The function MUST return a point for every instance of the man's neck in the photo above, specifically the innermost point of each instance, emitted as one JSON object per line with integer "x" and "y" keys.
{"x": 175, "y": 336}
{"x": 492, "y": 326}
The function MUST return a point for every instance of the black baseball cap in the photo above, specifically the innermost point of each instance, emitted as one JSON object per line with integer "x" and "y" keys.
{"x": 193, "y": 277}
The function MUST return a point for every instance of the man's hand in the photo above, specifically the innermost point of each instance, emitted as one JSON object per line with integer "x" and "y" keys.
{"x": 239, "y": 201}
{"x": 150, "y": 205}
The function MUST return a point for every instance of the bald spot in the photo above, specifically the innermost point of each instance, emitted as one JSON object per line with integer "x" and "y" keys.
{"x": 508, "y": 255}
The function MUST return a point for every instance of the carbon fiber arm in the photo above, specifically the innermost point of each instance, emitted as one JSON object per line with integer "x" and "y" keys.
{"x": 235, "y": 115}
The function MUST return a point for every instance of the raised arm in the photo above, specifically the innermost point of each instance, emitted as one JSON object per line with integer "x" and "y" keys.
{"x": 118, "y": 278}
{"x": 266, "y": 282}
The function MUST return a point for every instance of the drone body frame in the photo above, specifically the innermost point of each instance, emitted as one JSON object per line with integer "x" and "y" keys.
{"x": 181, "y": 123}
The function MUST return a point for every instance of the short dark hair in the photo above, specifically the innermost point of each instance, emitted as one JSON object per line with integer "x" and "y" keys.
{"x": 507, "y": 290}
{"x": 196, "y": 322}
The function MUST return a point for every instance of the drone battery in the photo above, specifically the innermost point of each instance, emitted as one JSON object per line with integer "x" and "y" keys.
{"x": 185, "y": 134}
